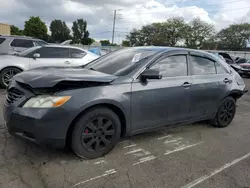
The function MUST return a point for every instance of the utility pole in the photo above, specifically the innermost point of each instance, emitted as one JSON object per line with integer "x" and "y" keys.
{"x": 113, "y": 34}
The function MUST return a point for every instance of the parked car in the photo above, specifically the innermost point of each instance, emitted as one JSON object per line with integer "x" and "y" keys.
{"x": 126, "y": 92}
{"x": 229, "y": 59}
{"x": 230, "y": 62}
{"x": 245, "y": 68}
{"x": 11, "y": 44}
{"x": 98, "y": 51}
{"x": 240, "y": 60}
{"x": 40, "y": 56}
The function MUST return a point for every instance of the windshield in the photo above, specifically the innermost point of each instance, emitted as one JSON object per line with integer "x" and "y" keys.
{"x": 25, "y": 53}
{"x": 122, "y": 62}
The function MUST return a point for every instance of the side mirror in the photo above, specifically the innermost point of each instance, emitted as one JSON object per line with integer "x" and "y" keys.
{"x": 151, "y": 74}
{"x": 36, "y": 55}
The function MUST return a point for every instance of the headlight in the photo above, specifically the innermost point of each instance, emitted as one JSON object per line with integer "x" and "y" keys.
{"x": 45, "y": 101}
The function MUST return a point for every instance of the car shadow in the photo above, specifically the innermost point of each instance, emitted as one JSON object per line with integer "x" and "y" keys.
{"x": 21, "y": 150}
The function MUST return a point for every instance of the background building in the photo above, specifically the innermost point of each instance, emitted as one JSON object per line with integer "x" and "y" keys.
{"x": 4, "y": 29}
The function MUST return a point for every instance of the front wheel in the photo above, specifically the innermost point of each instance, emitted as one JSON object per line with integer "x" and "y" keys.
{"x": 7, "y": 74}
{"x": 225, "y": 113}
{"x": 96, "y": 133}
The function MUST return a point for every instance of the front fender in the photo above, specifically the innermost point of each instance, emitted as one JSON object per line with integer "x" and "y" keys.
{"x": 85, "y": 98}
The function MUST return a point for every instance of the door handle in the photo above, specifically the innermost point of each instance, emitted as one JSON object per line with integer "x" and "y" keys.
{"x": 186, "y": 84}
{"x": 67, "y": 62}
{"x": 226, "y": 80}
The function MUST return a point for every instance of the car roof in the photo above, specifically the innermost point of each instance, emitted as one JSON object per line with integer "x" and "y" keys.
{"x": 63, "y": 46}
{"x": 166, "y": 49}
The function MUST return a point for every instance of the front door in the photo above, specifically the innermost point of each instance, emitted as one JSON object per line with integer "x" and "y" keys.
{"x": 164, "y": 101}
{"x": 51, "y": 56}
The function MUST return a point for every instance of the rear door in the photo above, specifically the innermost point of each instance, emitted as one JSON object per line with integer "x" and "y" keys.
{"x": 210, "y": 82}
{"x": 164, "y": 101}
{"x": 52, "y": 56}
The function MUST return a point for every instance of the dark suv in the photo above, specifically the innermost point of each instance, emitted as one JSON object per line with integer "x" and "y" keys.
{"x": 122, "y": 93}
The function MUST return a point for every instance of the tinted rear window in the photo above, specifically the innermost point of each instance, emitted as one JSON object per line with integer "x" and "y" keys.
{"x": 2, "y": 40}
{"x": 22, "y": 43}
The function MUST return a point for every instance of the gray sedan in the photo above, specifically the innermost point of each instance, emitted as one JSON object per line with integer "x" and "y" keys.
{"x": 40, "y": 56}
{"x": 126, "y": 92}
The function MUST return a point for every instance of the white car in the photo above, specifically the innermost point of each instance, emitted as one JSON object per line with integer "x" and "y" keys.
{"x": 42, "y": 56}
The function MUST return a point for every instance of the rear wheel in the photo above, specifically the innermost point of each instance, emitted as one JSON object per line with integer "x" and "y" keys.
{"x": 7, "y": 74}
{"x": 225, "y": 113}
{"x": 96, "y": 133}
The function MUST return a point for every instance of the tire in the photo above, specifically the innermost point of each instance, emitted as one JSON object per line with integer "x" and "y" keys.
{"x": 90, "y": 129}
{"x": 11, "y": 71}
{"x": 225, "y": 113}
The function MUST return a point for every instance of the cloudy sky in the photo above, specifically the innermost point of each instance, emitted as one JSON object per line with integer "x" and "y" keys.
{"x": 130, "y": 13}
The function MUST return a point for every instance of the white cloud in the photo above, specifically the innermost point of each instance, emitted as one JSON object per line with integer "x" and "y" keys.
{"x": 133, "y": 14}
{"x": 232, "y": 12}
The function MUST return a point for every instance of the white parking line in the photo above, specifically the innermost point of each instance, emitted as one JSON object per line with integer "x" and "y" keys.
{"x": 99, "y": 162}
{"x": 171, "y": 141}
{"x": 203, "y": 178}
{"x": 145, "y": 159}
{"x": 161, "y": 138}
{"x": 108, "y": 172}
{"x": 181, "y": 148}
{"x": 130, "y": 146}
{"x": 133, "y": 151}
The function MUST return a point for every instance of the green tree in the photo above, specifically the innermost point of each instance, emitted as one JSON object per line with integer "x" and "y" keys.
{"x": 234, "y": 37}
{"x": 15, "y": 30}
{"x": 80, "y": 32}
{"x": 167, "y": 33}
{"x": 136, "y": 38}
{"x": 59, "y": 31}
{"x": 125, "y": 43}
{"x": 87, "y": 41}
{"x": 35, "y": 27}
{"x": 174, "y": 29}
{"x": 197, "y": 33}
{"x": 105, "y": 42}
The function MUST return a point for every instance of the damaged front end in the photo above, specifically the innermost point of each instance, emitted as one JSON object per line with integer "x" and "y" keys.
{"x": 50, "y": 80}
{"x": 62, "y": 86}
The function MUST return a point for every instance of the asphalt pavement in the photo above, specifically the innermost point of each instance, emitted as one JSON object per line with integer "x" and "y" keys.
{"x": 195, "y": 155}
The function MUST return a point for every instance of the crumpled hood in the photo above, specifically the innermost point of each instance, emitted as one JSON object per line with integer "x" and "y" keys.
{"x": 50, "y": 76}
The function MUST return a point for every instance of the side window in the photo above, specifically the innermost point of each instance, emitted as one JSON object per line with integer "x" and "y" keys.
{"x": 2, "y": 40}
{"x": 53, "y": 52}
{"x": 76, "y": 53}
{"x": 39, "y": 43}
{"x": 220, "y": 69}
{"x": 202, "y": 66}
{"x": 22, "y": 43}
{"x": 172, "y": 66}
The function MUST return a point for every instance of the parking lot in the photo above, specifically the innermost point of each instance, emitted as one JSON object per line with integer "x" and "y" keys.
{"x": 195, "y": 155}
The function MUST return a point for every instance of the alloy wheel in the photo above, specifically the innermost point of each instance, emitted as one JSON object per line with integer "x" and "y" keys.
{"x": 8, "y": 75}
{"x": 226, "y": 112}
{"x": 98, "y": 134}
